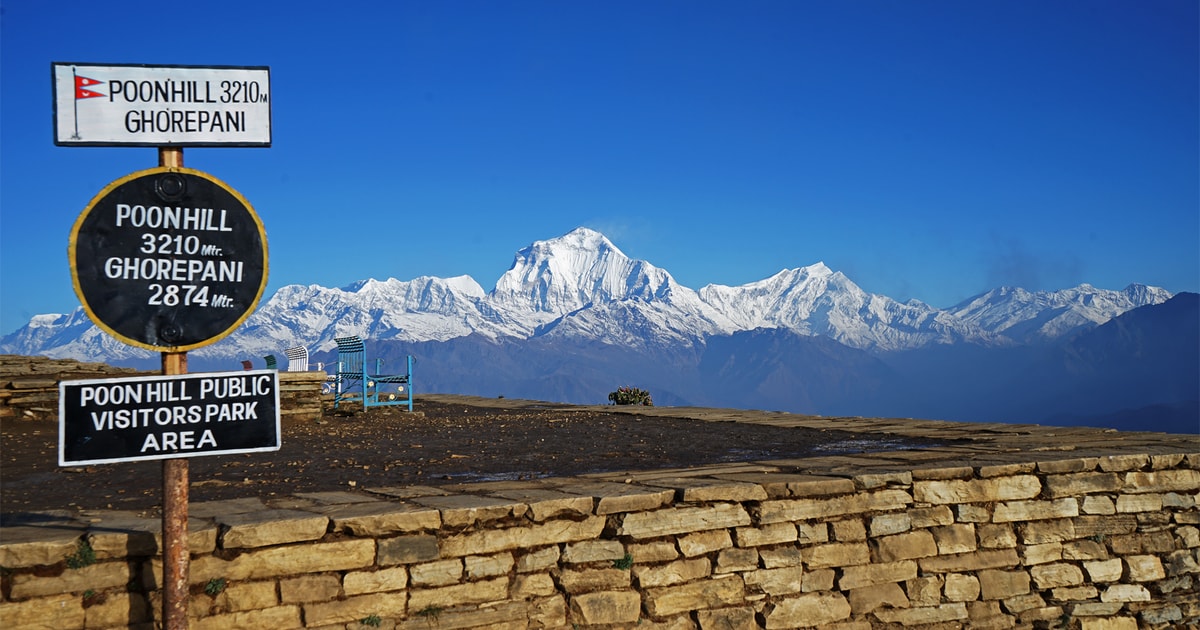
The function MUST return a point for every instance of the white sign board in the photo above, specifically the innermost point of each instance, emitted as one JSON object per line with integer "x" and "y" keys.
{"x": 139, "y": 105}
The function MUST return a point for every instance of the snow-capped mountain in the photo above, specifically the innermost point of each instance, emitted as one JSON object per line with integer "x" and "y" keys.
{"x": 422, "y": 309}
{"x": 68, "y": 336}
{"x": 575, "y": 270}
{"x": 580, "y": 286}
{"x": 816, "y": 300}
{"x": 1026, "y": 316}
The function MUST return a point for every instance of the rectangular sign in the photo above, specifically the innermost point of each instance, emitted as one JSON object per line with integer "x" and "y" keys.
{"x": 141, "y": 105}
{"x": 159, "y": 417}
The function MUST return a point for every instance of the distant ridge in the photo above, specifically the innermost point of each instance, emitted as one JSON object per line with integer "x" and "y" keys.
{"x": 581, "y": 285}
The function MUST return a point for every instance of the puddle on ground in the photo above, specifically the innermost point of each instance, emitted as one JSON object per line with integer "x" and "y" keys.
{"x": 850, "y": 447}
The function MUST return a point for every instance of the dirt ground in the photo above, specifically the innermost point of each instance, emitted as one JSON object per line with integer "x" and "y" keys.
{"x": 443, "y": 443}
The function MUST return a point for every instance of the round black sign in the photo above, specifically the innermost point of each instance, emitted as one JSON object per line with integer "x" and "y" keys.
{"x": 168, "y": 259}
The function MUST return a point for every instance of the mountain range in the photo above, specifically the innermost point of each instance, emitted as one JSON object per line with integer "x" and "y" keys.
{"x": 574, "y": 317}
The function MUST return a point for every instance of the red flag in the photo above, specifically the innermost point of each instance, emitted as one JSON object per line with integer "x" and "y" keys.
{"x": 81, "y": 83}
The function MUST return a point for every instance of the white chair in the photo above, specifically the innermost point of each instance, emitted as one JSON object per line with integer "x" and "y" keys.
{"x": 297, "y": 359}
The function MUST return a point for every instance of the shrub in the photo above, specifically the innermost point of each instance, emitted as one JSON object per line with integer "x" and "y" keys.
{"x": 215, "y": 587}
{"x": 630, "y": 396}
{"x": 84, "y": 555}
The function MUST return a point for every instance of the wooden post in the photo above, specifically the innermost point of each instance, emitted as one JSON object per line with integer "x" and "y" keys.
{"x": 176, "y": 552}
{"x": 170, "y": 156}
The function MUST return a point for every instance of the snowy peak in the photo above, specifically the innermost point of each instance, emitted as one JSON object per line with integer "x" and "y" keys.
{"x": 787, "y": 297}
{"x": 423, "y": 294}
{"x": 1027, "y": 316}
{"x": 423, "y": 309}
{"x": 1143, "y": 295}
{"x": 48, "y": 320}
{"x": 816, "y": 300}
{"x": 582, "y": 267}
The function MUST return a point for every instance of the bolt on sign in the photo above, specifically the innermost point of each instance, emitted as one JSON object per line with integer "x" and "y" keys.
{"x": 144, "y": 105}
{"x": 168, "y": 259}
{"x": 159, "y": 417}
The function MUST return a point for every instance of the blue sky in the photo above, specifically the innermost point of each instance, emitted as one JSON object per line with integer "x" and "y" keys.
{"x": 927, "y": 149}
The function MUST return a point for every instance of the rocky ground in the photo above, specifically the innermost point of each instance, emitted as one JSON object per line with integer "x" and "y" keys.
{"x": 440, "y": 443}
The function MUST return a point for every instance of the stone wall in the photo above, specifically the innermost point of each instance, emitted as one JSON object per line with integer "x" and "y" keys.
{"x": 300, "y": 395}
{"x": 29, "y": 387}
{"x": 1091, "y": 530}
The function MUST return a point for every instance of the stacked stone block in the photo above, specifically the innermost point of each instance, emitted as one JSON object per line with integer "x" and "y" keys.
{"x": 300, "y": 395}
{"x": 1091, "y": 543}
{"x": 29, "y": 387}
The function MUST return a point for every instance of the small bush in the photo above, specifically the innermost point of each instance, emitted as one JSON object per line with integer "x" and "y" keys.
{"x": 84, "y": 555}
{"x": 214, "y": 587}
{"x": 630, "y": 396}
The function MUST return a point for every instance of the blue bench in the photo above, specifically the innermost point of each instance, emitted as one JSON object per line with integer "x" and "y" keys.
{"x": 353, "y": 381}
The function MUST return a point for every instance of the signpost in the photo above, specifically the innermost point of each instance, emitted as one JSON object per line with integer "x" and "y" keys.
{"x": 167, "y": 259}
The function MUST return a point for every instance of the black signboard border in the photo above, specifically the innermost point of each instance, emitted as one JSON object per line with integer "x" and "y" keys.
{"x": 83, "y": 216}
